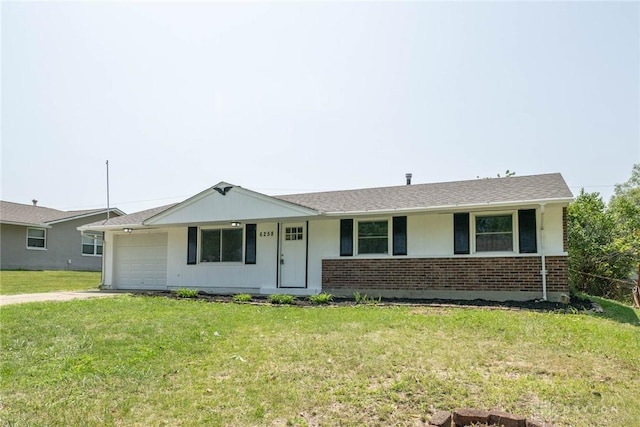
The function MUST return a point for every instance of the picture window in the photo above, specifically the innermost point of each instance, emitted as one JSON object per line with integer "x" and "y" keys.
{"x": 223, "y": 245}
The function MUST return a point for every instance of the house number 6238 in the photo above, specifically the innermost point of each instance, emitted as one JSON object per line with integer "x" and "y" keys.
{"x": 266, "y": 234}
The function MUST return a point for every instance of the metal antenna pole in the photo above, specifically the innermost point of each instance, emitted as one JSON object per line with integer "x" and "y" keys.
{"x": 107, "y": 190}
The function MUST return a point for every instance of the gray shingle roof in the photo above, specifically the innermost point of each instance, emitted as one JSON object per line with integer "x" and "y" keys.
{"x": 133, "y": 219}
{"x": 521, "y": 189}
{"x": 29, "y": 214}
{"x": 443, "y": 194}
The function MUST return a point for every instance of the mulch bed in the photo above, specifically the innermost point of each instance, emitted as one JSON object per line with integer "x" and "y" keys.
{"x": 575, "y": 304}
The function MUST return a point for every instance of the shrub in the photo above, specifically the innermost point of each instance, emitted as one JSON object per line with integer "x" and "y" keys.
{"x": 242, "y": 298}
{"x": 186, "y": 293}
{"x": 323, "y": 298}
{"x": 281, "y": 299}
{"x": 365, "y": 299}
{"x": 358, "y": 297}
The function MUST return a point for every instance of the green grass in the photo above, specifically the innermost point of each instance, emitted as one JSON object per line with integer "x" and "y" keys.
{"x": 616, "y": 311}
{"x": 29, "y": 282}
{"x": 155, "y": 361}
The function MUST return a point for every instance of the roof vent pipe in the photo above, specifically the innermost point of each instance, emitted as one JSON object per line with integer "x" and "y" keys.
{"x": 408, "y": 176}
{"x": 35, "y": 202}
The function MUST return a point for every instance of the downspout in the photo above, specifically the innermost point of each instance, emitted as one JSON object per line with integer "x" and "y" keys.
{"x": 543, "y": 272}
{"x": 104, "y": 254}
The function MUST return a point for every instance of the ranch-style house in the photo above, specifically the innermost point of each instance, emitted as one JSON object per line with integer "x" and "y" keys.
{"x": 494, "y": 239}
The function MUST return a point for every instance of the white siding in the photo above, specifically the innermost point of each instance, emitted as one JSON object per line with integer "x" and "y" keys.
{"x": 430, "y": 235}
{"x": 324, "y": 242}
{"x": 553, "y": 230}
{"x": 223, "y": 275}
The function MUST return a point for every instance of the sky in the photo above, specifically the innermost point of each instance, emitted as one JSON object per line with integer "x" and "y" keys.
{"x": 290, "y": 97}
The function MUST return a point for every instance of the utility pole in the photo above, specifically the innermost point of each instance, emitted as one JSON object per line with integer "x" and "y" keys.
{"x": 107, "y": 190}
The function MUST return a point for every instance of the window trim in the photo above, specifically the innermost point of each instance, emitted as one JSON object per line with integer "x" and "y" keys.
{"x": 36, "y": 248}
{"x": 514, "y": 231}
{"x": 95, "y": 245}
{"x": 356, "y": 237}
{"x": 242, "y": 245}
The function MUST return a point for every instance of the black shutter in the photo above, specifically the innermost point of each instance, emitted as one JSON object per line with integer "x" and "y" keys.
{"x": 346, "y": 237}
{"x": 192, "y": 245}
{"x": 461, "y": 233}
{"x": 250, "y": 244}
{"x": 527, "y": 235}
{"x": 399, "y": 235}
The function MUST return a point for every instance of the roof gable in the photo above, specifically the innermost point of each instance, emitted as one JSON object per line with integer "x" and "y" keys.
{"x": 227, "y": 202}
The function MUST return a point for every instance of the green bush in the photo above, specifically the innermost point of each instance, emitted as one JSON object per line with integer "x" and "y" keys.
{"x": 365, "y": 299}
{"x": 323, "y": 298}
{"x": 281, "y": 299}
{"x": 242, "y": 298}
{"x": 186, "y": 293}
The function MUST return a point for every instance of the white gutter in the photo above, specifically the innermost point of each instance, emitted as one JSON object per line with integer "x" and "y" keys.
{"x": 86, "y": 215}
{"x": 543, "y": 272}
{"x": 26, "y": 224}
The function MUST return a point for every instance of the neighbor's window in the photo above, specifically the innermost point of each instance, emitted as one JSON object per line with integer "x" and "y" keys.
{"x": 494, "y": 233}
{"x": 373, "y": 237}
{"x": 36, "y": 238}
{"x": 223, "y": 245}
{"x": 91, "y": 245}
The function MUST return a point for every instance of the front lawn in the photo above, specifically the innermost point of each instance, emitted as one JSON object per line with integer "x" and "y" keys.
{"x": 157, "y": 361}
{"x": 29, "y": 282}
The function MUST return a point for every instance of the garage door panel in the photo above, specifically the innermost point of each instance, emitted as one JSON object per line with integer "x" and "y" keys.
{"x": 141, "y": 261}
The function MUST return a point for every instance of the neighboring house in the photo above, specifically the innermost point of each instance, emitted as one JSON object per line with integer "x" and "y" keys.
{"x": 498, "y": 239}
{"x": 38, "y": 238}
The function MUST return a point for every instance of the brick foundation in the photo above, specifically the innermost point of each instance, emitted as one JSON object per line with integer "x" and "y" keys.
{"x": 501, "y": 274}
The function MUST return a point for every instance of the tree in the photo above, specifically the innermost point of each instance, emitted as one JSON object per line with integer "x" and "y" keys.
{"x": 507, "y": 174}
{"x": 590, "y": 237}
{"x": 604, "y": 242}
{"x": 631, "y": 184}
{"x": 625, "y": 208}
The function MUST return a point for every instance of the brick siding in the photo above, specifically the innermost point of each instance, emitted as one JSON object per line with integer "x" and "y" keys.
{"x": 455, "y": 274}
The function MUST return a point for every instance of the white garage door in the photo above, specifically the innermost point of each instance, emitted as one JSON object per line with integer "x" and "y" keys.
{"x": 141, "y": 261}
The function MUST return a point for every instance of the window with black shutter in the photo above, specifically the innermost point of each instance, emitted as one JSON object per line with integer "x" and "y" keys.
{"x": 346, "y": 237}
{"x": 399, "y": 235}
{"x": 461, "y": 233}
{"x": 527, "y": 235}
{"x": 192, "y": 245}
{"x": 250, "y": 244}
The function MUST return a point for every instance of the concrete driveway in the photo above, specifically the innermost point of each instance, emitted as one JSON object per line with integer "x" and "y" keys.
{"x": 54, "y": 296}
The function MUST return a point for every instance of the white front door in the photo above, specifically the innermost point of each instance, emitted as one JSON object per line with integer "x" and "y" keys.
{"x": 293, "y": 255}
